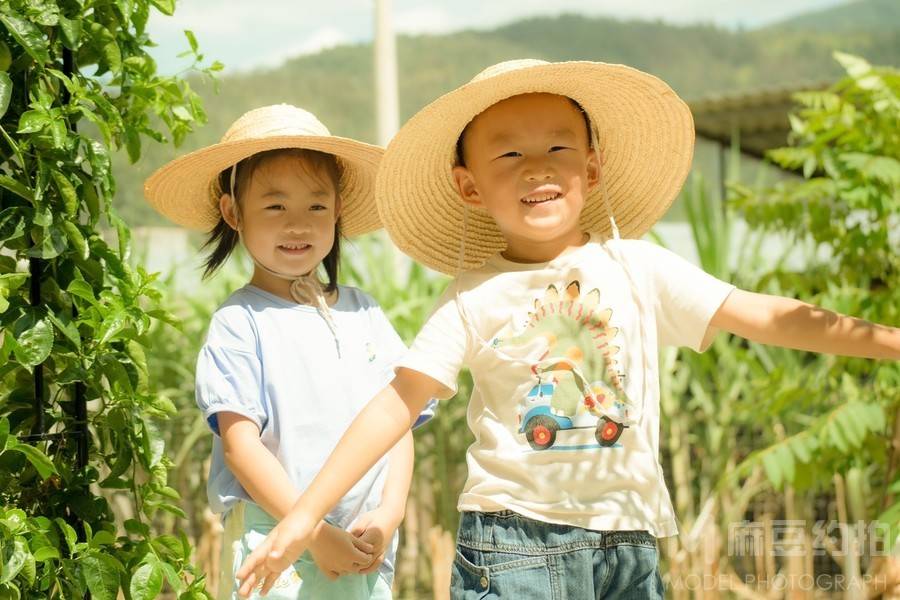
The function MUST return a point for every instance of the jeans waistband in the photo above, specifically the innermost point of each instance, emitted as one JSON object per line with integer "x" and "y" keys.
{"x": 508, "y": 530}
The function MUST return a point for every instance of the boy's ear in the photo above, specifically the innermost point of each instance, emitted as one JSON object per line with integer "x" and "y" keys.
{"x": 465, "y": 186}
{"x": 230, "y": 211}
{"x": 593, "y": 170}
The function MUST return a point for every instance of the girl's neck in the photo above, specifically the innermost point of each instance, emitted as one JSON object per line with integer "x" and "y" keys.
{"x": 281, "y": 287}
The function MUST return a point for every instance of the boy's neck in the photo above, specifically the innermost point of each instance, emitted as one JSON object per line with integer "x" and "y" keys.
{"x": 530, "y": 251}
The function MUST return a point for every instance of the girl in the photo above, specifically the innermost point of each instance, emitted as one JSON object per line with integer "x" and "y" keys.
{"x": 526, "y": 184}
{"x": 290, "y": 360}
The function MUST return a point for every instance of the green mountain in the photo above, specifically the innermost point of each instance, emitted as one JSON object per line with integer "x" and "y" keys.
{"x": 697, "y": 60}
{"x": 868, "y": 15}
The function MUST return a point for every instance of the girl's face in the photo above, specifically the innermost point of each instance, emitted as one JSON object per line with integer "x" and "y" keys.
{"x": 286, "y": 216}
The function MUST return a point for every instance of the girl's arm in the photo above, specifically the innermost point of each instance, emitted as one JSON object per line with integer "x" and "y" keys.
{"x": 265, "y": 479}
{"x": 789, "y": 323}
{"x": 257, "y": 469}
{"x": 384, "y": 421}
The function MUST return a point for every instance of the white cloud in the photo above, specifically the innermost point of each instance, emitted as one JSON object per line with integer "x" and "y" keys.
{"x": 429, "y": 18}
{"x": 321, "y": 39}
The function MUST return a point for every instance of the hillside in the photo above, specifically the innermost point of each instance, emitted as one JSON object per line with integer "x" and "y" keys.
{"x": 697, "y": 60}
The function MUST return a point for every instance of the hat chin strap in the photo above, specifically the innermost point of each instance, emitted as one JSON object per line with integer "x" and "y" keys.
{"x": 305, "y": 289}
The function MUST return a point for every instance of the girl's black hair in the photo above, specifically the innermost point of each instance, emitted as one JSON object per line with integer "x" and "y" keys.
{"x": 223, "y": 239}
{"x": 461, "y": 140}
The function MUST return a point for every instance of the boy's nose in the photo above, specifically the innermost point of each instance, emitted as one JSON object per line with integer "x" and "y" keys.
{"x": 538, "y": 172}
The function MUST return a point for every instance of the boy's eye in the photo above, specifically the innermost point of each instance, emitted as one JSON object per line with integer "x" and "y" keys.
{"x": 512, "y": 154}
{"x": 275, "y": 207}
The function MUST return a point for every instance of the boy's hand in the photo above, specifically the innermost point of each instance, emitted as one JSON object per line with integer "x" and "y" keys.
{"x": 284, "y": 544}
{"x": 377, "y": 528}
{"x": 337, "y": 552}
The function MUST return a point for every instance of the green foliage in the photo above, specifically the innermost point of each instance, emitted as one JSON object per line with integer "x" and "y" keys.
{"x": 59, "y": 536}
{"x": 846, "y": 208}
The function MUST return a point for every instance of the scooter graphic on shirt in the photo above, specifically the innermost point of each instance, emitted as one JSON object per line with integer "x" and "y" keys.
{"x": 599, "y": 408}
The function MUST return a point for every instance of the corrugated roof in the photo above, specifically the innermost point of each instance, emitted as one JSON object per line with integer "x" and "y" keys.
{"x": 759, "y": 118}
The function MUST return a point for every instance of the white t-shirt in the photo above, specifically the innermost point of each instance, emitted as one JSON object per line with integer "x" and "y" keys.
{"x": 563, "y": 355}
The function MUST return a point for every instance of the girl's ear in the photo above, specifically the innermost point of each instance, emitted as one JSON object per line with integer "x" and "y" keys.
{"x": 465, "y": 186}
{"x": 338, "y": 207}
{"x": 230, "y": 212}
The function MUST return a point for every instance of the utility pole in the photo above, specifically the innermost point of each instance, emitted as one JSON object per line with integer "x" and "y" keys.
{"x": 387, "y": 109}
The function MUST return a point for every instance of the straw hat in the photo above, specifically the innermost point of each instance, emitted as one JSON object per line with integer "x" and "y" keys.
{"x": 646, "y": 135}
{"x": 185, "y": 190}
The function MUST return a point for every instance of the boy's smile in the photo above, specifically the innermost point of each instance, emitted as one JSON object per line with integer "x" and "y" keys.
{"x": 529, "y": 164}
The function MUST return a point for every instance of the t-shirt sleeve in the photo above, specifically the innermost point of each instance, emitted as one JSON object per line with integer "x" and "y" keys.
{"x": 229, "y": 372}
{"x": 390, "y": 351}
{"x": 685, "y": 300}
{"x": 440, "y": 348}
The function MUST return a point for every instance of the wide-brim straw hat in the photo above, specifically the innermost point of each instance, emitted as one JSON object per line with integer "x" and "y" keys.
{"x": 186, "y": 190}
{"x": 646, "y": 136}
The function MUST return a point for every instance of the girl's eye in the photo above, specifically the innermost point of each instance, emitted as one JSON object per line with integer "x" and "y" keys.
{"x": 512, "y": 154}
{"x": 275, "y": 207}
{"x": 318, "y": 207}
{"x": 558, "y": 148}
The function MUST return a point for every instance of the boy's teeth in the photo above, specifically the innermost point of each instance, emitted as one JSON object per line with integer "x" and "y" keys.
{"x": 541, "y": 198}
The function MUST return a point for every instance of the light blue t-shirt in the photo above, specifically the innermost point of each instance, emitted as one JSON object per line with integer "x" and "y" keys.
{"x": 277, "y": 363}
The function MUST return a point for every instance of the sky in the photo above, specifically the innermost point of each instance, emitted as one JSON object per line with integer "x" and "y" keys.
{"x": 249, "y": 34}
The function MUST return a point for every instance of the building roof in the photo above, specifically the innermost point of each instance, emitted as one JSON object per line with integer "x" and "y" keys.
{"x": 759, "y": 117}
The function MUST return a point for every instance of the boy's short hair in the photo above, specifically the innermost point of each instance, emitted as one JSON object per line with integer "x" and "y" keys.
{"x": 460, "y": 141}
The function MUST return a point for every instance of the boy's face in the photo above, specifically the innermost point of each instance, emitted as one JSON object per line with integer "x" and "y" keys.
{"x": 530, "y": 166}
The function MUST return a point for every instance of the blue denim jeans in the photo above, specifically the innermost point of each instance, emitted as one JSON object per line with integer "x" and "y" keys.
{"x": 505, "y": 555}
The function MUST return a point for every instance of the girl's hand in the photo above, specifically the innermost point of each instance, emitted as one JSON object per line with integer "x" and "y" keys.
{"x": 337, "y": 552}
{"x": 284, "y": 544}
{"x": 377, "y": 528}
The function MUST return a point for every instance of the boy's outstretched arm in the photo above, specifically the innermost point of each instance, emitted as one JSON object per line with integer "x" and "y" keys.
{"x": 384, "y": 421}
{"x": 790, "y": 323}
{"x": 377, "y": 526}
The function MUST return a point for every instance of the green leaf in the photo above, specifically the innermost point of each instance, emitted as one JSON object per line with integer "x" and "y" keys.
{"x": 33, "y": 121}
{"x": 6, "y": 87}
{"x": 13, "y": 221}
{"x": 101, "y": 573}
{"x": 103, "y": 538}
{"x": 167, "y": 7}
{"x": 192, "y": 39}
{"x": 66, "y": 191}
{"x": 16, "y": 188}
{"x": 4, "y": 433}
{"x": 50, "y": 242}
{"x": 773, "y": 471}
{"x": 34, "y": 345}
{"x": 29, "y": 37}
{"x": 68, "y": 534}
{"x": 42, "y": 464}
{"x": 46, "y": 553}
{"x": 146, "y": 583}
{"x": 77, "y": 239}
{"x": 16, "y": 560}
{"x": 83, "y": 290}
{"x": 71, "y": 32}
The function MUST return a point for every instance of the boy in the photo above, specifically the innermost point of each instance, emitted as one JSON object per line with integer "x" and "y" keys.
{"x": 523, "y": 183}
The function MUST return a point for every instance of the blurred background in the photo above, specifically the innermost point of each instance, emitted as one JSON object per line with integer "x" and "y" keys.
{"x": 782, "y": 465}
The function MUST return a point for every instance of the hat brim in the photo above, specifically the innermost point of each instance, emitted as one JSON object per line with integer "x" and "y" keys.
{"x": 646, "y": 139}
{"x": 182, "y": 190}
